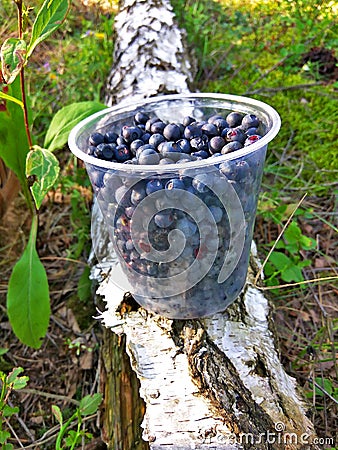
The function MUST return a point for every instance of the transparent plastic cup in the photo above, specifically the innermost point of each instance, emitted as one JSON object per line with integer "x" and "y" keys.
{"x": 183, "y": 252}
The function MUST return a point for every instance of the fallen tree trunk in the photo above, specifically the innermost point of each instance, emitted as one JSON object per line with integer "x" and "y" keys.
{"x": 214, "y": 383}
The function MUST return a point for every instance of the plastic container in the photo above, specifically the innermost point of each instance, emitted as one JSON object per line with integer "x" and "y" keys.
{"x": 183, "y": 252}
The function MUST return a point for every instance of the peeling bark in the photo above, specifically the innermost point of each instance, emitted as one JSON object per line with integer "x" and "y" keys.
{"x": 212, "y": 383}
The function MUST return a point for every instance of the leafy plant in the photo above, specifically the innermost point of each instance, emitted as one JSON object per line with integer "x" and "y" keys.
{"x": 9, "y": 383}
{"x": 285, "y": 262}
{"x": 37, "y": 168}
{"x": 87, "y": 406}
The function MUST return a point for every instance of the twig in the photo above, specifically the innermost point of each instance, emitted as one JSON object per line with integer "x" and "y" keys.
{"x": 49, "y": 395}
{"x": 22, "y": 423}
{"x": 267, "y": 72}
{"x": 55, "y": 430}
{"x": 278, "y": 238}
{"x": 299, "y": 283}
{"x": 322, "y": 390}
{"x": 284, "y": 88}
{"x": 13, "y": 432}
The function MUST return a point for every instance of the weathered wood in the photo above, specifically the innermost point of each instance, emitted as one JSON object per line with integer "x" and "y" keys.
{"x": 124, "y": 409}
{"x": 213, "y": 383}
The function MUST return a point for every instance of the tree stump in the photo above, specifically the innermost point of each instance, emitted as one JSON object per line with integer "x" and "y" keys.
{"x": 212, "y": 383}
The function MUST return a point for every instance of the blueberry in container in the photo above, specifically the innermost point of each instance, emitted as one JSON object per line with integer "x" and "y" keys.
{"x": 177, "y": 179}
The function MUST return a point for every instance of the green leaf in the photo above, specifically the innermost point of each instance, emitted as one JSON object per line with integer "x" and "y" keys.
{"x": 45, "y": 167}
{"x": 280, "y": 260}
{"x": 13, "y": 375}
{"x": 57, "y": 414}
{"x": 89, "y": 404}
{"x": 8, "y": 447}
{"x": 292, "y": 273}
{"x": 13, "y": 58}
{"x": 13, "y": 139}
{"x": 3, "y": 351}
{"x": 4, "y": 435}
{"x": 49, "y": 18}
{"x": 28, "y": 295}
{"x": 9, "y": 411}
{"x": 20, "y": 383}
{"x": 65, "y": 119}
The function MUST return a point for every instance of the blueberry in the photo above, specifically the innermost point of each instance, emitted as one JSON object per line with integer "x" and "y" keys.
{"x": 213, "y": 118}
{"x": 192, "y": 131}
{"x": 220, "y": 124}
{"x": 138, "y": 193}
{"x": 167, "y": 148}
{"x": 122, "y": 153}
{"x": 148, "y": 157}
{"x": 201, "y": 154}
{"x": 122, "y": 196}
{"x": 251, "y": 131}
{"x": 199, "y": 182}
{"x": 216, "y": 144}
{"x": 252, "y": 139}
{"x": 225, "y": 131}
{"x": 142, "y": 148}
{"x": 174, "y": 183}
{"x": 141, "y": 118}
{"x": 172, "y": 132}
{"x": 184, "y": 145}
{"x": 135, "y": 145}
{"x": 145, "y": 137}
{"x": 153, "y": 186}
{"x": 108, "y": 152}
{"x": 249, "y": 121}
{"x": 199, "y": 143}
{"x": 234, "y": 119}
{"x": 188, "y": 120}
{"x": 156, "y": 139}
{"x": 216, "y": 212}
{"x": 188, "y": 227}
{"x": 131, "y": 133}
{"x": 157, "y": 127}
{"x": 149, "y": 123}
{"x": 242, "y": 170}
{"x": 209, "y": 129}
{"x": 110, "y": 137}
{"x": 163, "y": 219}
{"x": 236, "y": 171}
{"x": 231, "y": 147}
{"x": 164, "y": 161}
{"x": 96, "y": 138}
{"x": 236, "y": 134}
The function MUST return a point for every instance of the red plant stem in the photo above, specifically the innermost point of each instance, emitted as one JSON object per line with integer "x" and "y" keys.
{"x": 25, "y": 112}
{"x": 22, "y": 78}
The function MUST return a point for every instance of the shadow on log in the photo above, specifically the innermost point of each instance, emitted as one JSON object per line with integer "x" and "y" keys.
{"x": 213, "y": 383}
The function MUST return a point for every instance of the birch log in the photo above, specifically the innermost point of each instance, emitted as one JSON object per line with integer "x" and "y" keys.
{"x": 213, "y": 383}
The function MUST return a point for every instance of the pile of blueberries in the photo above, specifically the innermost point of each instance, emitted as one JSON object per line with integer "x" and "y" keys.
{"x": 151, "y": 141}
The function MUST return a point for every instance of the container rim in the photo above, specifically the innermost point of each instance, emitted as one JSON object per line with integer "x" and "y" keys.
{"x": 129, "y": 106}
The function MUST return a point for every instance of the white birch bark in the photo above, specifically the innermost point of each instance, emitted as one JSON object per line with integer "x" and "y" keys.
{"x": 213, "y": 383}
